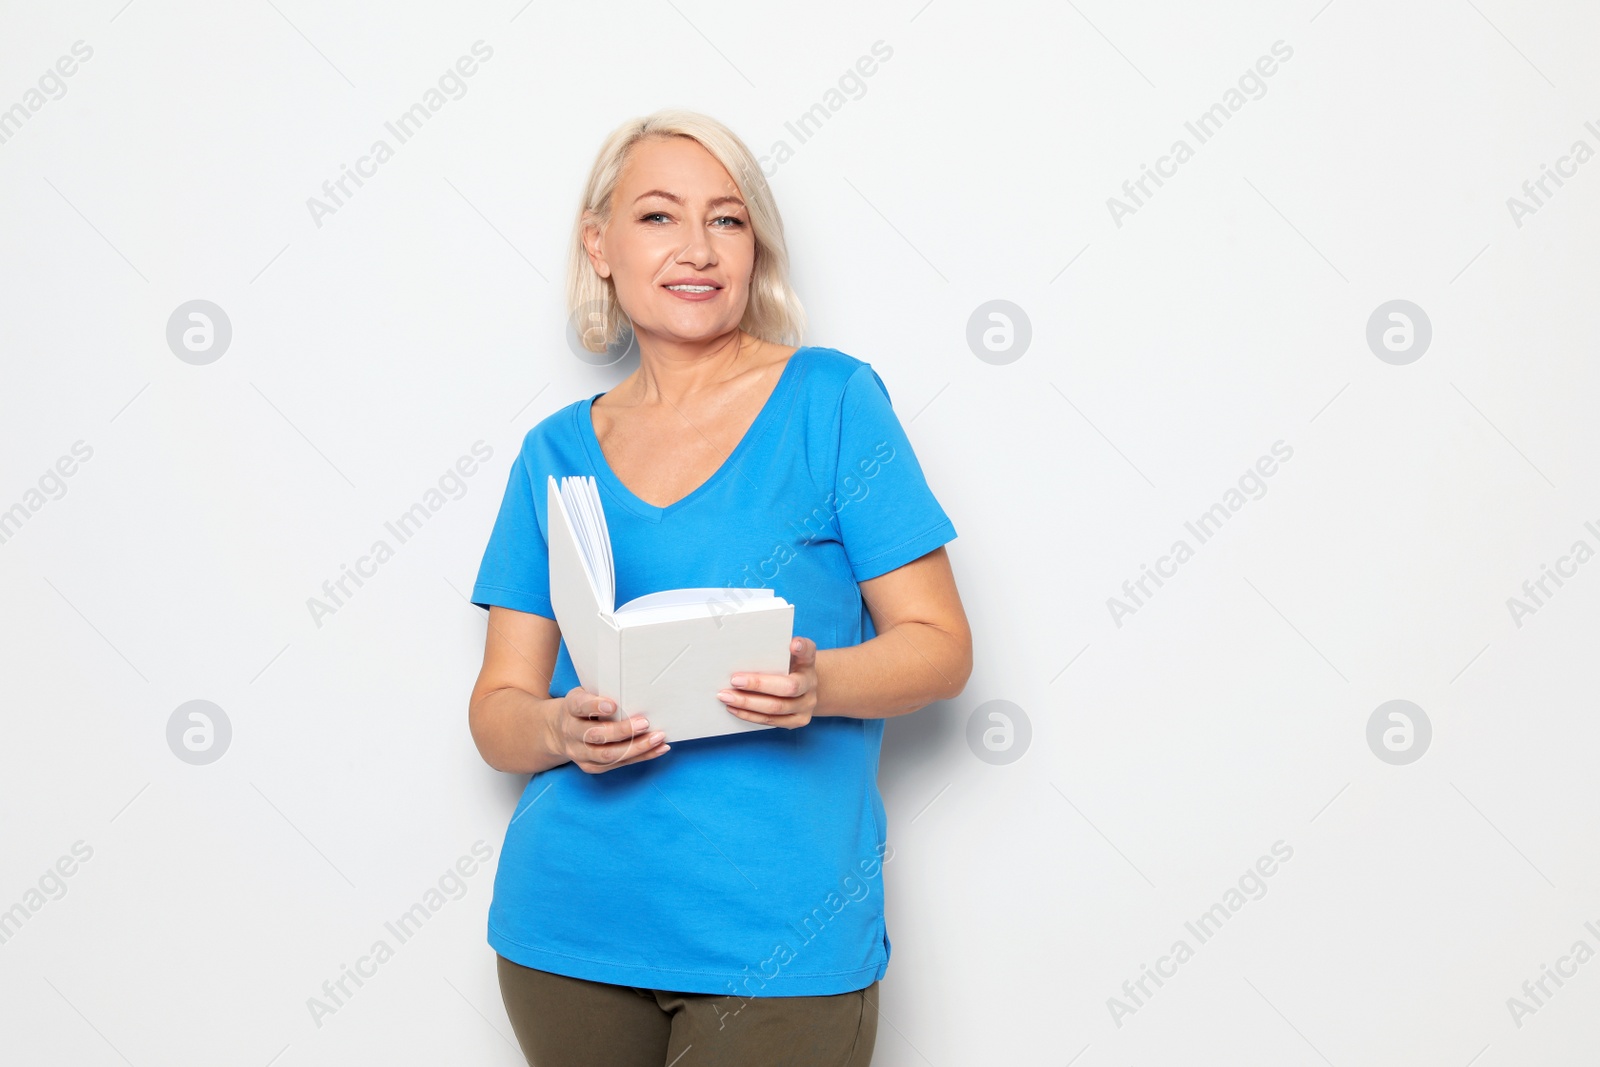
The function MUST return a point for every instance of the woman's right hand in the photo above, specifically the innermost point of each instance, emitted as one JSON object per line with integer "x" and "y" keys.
{"x": 588, "y": 737}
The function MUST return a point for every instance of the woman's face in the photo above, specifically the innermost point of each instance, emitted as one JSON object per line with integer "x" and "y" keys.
{"x": 677, "y": 218}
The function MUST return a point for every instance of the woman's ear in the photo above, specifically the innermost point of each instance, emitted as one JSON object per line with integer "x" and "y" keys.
{"x": 592, "y": 245}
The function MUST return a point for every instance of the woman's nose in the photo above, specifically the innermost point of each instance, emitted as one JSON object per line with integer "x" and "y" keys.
{"x": 697, "y": 251}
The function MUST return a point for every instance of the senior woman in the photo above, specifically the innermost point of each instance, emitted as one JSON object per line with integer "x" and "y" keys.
{"x": 719, "y": 901}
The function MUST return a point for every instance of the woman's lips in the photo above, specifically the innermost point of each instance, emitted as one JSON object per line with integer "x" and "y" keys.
{"x": 682, "y": 295}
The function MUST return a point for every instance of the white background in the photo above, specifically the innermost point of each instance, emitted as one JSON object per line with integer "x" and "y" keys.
{"x": 1168, "y": 353}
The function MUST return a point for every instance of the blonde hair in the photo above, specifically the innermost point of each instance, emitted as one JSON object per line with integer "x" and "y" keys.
{"x": 773, "y": 312}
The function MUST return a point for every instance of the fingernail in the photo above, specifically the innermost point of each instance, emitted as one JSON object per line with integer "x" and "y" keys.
{"x": 606, "y": 705}
{"x": 655, "y": 738}
{"x": 641, "y": 723}
{"x": 739, "y": 679}
{"x": 725, "y": 694}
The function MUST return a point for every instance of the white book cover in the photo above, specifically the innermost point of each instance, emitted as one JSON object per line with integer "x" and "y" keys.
{"x": 663, "y": 655}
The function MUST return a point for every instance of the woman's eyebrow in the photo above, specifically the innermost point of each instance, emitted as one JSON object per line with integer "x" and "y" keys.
{"x": 679, "y": 200}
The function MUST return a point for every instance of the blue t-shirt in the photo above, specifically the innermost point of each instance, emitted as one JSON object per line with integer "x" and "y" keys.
{"x": 748, "y": 864}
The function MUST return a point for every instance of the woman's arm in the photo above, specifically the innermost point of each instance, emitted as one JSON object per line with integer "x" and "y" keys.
{"x": 512, "y": 722}
{"x": 922, "y": 652}
{"x": 518, "y": 728}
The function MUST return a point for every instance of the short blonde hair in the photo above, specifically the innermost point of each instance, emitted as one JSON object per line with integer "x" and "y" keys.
{"x": 773, "y": 313}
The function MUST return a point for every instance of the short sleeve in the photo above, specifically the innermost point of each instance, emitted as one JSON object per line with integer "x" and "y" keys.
{"x": 515, "y": 572}
{"x": 887, "y": 516}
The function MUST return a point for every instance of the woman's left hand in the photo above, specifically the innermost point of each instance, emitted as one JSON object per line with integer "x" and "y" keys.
{"x": 785, "y": 700}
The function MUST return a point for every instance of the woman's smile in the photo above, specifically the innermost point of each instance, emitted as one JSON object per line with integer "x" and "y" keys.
{"x": 695, "y": 292}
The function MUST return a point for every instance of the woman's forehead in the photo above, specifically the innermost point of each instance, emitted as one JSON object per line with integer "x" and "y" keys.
{"x": 678, "y": 165}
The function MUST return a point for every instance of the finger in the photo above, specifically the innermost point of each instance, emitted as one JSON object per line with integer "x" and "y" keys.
{"x": 785, "y": 721}
{"x": 749, "y": 701}
{"x": 803, "y": 653}
{"x": 608, "y": 733}
{"x": 744, "y": 683}
{"x": 630, "y": 750}
{"x": 648, "y": 752}
{"x": 781, "y": 685}
{"x": 596, "y": 707}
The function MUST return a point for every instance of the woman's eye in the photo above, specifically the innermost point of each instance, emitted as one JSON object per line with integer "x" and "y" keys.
{"x": 737, "y": 222}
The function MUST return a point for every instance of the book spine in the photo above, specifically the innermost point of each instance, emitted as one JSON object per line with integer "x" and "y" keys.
{"x": 609, "y": 641}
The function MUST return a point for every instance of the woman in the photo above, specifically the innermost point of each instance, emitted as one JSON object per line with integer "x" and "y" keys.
{"x": 720, "y": 902}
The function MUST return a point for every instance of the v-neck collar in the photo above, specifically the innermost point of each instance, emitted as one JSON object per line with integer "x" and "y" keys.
{"x": 651, "y": 512}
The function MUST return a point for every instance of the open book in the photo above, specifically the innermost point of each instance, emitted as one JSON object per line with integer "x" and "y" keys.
{"x": 663, "y": 655}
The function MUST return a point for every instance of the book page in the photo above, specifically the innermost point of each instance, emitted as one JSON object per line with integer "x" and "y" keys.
{"x": 728, "y": 598}
{"x": 582, "y": 504}
{"x": 579, "y": 610}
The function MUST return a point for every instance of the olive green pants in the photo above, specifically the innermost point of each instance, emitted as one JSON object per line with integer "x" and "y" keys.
{"x": 573, "y": 1022}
